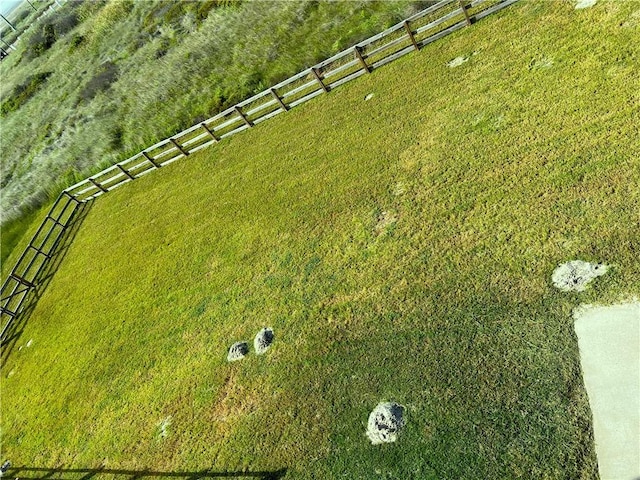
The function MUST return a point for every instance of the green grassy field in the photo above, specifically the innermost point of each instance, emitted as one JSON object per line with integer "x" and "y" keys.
{"x": 400, "y": 247}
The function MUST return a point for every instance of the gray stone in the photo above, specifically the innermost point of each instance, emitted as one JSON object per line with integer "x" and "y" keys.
{"x": 456, "y": 62}
{"x": 385, "y": 422}
{"x": 576, "y": 275}
{"x": 5, "y": 466}
{"x": 263, "y": 340}
{"x": 238, "y": 351}
{"x": 585, "y": 4}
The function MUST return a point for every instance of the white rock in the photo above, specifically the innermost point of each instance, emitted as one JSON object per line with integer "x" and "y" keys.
{"x": 368, "y": 97}
{"x": 263, "y": 340}
{"x": 576, "y": 275}
{"x": 385, "y": 422}
{"x": 585, "y": 4}
{"x": 456, "y": 62}
{"x": 237, "y": 351}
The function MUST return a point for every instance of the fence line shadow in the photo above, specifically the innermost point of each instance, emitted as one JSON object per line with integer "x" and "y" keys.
{"x": 38, "y": 473}
{"x": 42, "y": 281}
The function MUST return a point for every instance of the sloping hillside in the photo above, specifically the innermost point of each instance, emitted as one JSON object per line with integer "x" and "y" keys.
{"x": 97, "y": 80}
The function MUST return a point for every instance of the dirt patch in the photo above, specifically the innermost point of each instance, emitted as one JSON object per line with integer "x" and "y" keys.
{"x": 237, "y": 351}
{"x": 399, "y": 189}
{"x": 385, "y": 220}
{"x": 263, "y": 340}
{"x": 385, "y": 423}
{"x": 163, "y": 427}
{"x": 233, "y": 401}
{"x": 576, "y": 275}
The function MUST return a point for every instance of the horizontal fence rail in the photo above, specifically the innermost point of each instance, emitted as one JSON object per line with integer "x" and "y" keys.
{"x": 423, "y": 28}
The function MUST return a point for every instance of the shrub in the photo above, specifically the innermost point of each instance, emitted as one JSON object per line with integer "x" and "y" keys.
{"x": 23, "y": 92}
{"x": 21, "y": 16}
{"x": 56, "y": 27}
{"x": 64, "y": 22}
{"x": 106, "y": 74}
{"x": 116, "y": 138}
{"x": 41, "y": 41}
{"x": 76, "y": 41}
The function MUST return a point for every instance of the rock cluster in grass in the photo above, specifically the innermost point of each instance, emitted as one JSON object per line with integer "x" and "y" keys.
{"x": 385, "y": 423}
{"x": 385, "y": 220}
{"x": 576, "y": 275}
{"x": 263, "y": 340}
{"x": 237, "y": 351}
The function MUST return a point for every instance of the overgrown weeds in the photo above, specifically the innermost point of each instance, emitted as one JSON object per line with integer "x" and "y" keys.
{"x": 21, "y": 94}
{"x": 105, "y": 75}
{"x": 47, "y": 33}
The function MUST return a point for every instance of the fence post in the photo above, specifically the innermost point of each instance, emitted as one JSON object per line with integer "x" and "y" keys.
{"x": 180, "y": 149}
{"x": 317, "y": 75}
{"x": 97, "y": 185}
{"x": 358, "y": 53}
{"x": 148, "y": 157}
{"x": 277, "y": 97}
{"x": 210, "y": 132}
{"x": 464, "y": 11}
{"x": 71, "y": 197}
{"x": 21, "y": 280}
{"x": 124, "y": 171}
{"x": 56, "y": 221}
{"x": 243, "y": 116}
{"x": 39, "y": 251}
{"x": 410, "y": 33}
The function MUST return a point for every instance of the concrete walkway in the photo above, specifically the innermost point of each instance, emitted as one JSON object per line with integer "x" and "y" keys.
{"x": 609, "y": 342}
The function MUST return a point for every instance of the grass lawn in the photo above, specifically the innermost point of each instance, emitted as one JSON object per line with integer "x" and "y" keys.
{"x": 400, "y": 247}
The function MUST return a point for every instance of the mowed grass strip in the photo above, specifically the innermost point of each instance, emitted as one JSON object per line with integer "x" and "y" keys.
{"x": 400, "y": 247}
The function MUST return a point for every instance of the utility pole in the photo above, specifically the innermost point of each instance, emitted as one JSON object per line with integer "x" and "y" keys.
{"x": 8, "y": 22}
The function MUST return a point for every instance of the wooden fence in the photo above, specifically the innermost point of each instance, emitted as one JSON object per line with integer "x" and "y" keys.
{"x": 411, "y": 34}
{"x": 26, "y": 274}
